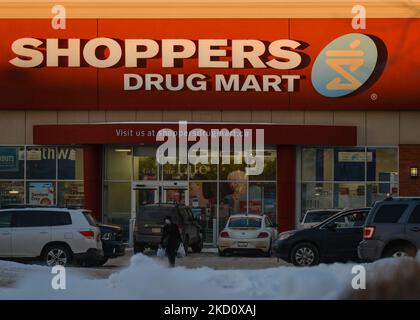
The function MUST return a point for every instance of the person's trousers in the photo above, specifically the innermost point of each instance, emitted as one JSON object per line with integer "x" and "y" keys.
{"x": 171, "y": 258}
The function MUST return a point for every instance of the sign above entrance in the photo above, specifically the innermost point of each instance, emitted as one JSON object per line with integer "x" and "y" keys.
{"x": 146, "y": 133}
{"x": 293, "y": 64}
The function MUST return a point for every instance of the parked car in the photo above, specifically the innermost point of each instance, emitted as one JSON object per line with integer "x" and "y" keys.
{"x": 335, "y": 239}
{"x": 150, "y": 221}
{"x": 392, "y": 229}
{"x": 315, "y": 217}
{"x": 247, "y": 233}
{"x": 54, "y": 235}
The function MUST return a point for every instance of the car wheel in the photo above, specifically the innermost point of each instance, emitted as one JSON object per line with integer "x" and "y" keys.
{"x": 57, "y": 255}
{"x": 198, "y": 246}
{"x": 400, "y": 251}
{"x": 138, "y": 248}
{"x": 305, "y": 254}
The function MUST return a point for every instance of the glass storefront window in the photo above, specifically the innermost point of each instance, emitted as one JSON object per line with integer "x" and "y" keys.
{"x": 12, "y": 192}
{"x": 316, "y": 196}
{"x": 47, "y": 168}
{"x": 226, "y": 170}
{"x": 40, "y": 193}
{"x": 349, "y": 164}
{"x": 175, "y": 171}
{"x": 12, "y": 161}
{"x": 317, "y": 164}
{"x": 71, "y": 194}
{"x": 262, "y": 199}
{"x": 215, "y": 191}
{"x": 118, "y": 163}
{"x": 361, "y": 176}
{"x": 203, "y": 201}
{"x": 232, "y": 198}
{"x": 70, "y": 163}
{"x": 203, "y": 171}
{"x": 41, "y": 163}
{"x": 145, "y": 164}
{"x": 117, "y": 204}
{"x": 349, "y": 195}
{"x": 379, "y": 191}
{"x": 384, "y": 168}
{"x": 270, "y": 165}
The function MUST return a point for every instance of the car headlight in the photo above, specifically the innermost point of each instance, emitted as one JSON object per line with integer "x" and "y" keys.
{"x": 108, "y": 236}
{"x": 285, "y": 235}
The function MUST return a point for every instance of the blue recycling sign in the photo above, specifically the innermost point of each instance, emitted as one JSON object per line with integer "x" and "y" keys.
{"x": 9, "y": 159}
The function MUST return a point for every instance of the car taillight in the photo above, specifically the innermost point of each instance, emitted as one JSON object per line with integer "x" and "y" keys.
{"x": 224, "y": 234}
{"x": 368, "y": 233}
{"x": 87, "y": 233}
{"x": 263, "y": 235}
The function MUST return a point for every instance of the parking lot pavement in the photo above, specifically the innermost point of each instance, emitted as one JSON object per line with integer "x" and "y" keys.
{"x": 207, "y": 258}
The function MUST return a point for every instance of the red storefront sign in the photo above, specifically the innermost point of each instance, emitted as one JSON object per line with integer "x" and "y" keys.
{"x": 146, "y": 133}
{"x": 201, "y": 64}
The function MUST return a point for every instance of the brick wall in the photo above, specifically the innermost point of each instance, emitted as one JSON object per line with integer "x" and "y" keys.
{"x": 409, "y": 157}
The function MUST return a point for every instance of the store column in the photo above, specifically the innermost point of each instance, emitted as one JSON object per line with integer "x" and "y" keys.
{"x": 409, "y": 159}
{"x": 286, "y": 187}
{"x": 92, "y": 161}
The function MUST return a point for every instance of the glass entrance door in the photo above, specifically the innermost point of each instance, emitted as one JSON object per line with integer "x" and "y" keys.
{"x": 174, "y": 195}
{"x": 175, "y": 192}
{"x": 149, "y": 192}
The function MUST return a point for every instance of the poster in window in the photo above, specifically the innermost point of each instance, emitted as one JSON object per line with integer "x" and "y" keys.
{"x": 41, "y": 193}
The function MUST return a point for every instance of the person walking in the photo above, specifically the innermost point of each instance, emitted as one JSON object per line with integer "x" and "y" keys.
{"x": 171, "y": 239}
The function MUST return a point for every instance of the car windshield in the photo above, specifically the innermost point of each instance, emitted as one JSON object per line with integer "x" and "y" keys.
{"x": 243, "y": 222}
{"x": 318, "y": 216}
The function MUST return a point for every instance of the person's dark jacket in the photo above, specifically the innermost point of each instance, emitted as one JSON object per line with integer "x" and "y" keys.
{"x": 171, "y": 238}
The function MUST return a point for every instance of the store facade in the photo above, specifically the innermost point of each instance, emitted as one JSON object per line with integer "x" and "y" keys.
{"x": 79, "y": 117}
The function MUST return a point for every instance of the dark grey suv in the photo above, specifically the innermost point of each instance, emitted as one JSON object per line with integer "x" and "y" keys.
{"x": 392, "y": 229}
{"x": 150, "y": 222}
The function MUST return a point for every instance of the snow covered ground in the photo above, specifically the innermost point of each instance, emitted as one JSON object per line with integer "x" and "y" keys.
{"x": 149, "y": 278}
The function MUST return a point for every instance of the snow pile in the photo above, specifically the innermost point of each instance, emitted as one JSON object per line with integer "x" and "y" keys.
{"x": 147, "y": 278}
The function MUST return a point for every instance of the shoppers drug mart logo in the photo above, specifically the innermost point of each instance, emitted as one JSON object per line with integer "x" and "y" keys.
{"x": 344, "y": 65}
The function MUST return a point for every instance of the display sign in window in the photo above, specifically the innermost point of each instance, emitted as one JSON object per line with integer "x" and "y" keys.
{"x": 9, "y": 159}
{"x": 41, "y": 193}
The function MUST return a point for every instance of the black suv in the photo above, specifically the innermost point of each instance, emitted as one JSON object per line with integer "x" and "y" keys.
{"x": 150, "y": 221}
{"x": 334, "y": 240}
{"x": 392, "y": 229}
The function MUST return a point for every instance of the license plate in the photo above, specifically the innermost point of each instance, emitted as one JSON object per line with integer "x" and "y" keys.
{"x": 156, "y": 230}
{"x": 242, "y": 244}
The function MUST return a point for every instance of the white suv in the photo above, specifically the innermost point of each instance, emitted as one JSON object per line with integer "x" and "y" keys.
{"x": 56, "y": 235}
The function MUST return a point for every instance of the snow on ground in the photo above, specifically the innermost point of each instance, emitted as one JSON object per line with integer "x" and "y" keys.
{"x": 149, "y": 278}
